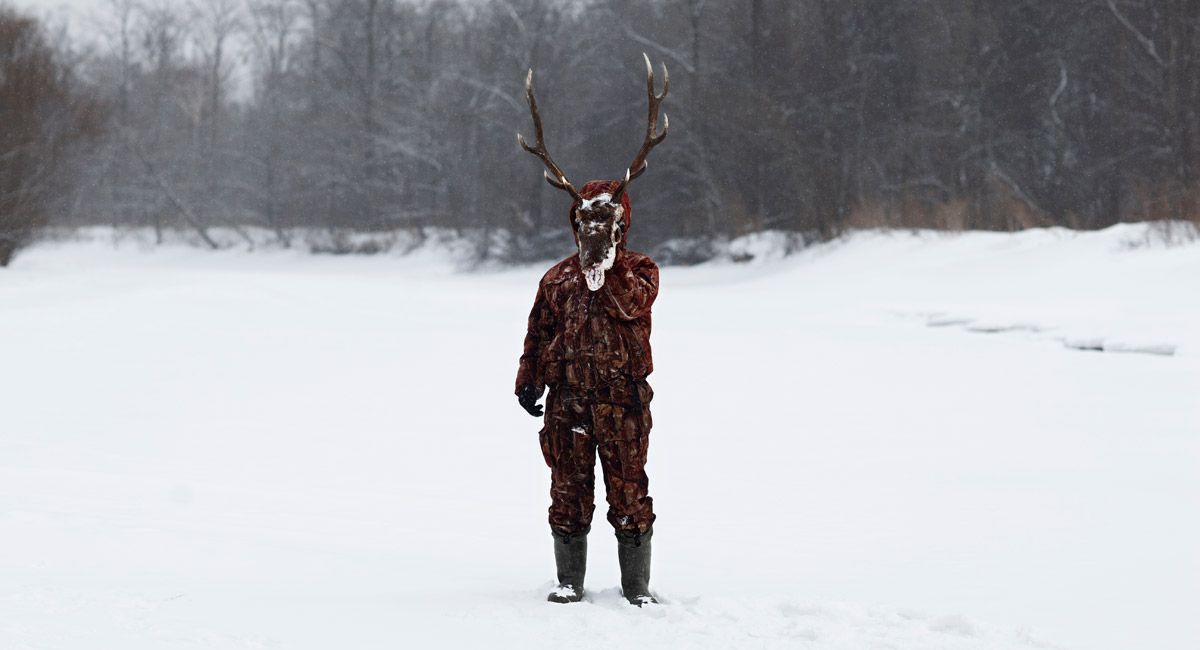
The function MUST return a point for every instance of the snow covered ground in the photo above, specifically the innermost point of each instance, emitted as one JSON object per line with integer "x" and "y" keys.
{"x": 890, "y": 441}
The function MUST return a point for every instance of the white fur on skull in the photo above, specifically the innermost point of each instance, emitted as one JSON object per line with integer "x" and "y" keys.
{"x": 598, "y": 226}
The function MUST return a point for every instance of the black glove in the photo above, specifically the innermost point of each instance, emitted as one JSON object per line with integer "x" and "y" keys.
{"x": 528, "y": 398}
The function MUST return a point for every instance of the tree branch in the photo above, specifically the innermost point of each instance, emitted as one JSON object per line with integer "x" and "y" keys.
{"x": 1147, "y": 44}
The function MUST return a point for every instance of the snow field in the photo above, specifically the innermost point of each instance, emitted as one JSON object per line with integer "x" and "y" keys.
{"x": 275, "y": 450}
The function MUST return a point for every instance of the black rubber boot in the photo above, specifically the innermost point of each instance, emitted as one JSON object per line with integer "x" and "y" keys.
{"x": 570, "y": 554}
{"x": 633, "y": 552}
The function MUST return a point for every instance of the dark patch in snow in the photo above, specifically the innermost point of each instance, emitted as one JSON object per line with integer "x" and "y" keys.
{"x": 1089, "y": 344}
{"x": 1100, "y": 345}
{"x": 996, "y": 328}
{"x": 948, "y": 322}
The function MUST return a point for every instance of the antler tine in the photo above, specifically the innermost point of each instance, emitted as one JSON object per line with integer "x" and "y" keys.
{"x": 650, "y": 79}
{"x": 653, "y": 137}
{"x": 559, "y": 179}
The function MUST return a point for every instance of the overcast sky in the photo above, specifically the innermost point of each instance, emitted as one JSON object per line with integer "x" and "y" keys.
{"x": 90, "y": 20}
{"x": 75, "y": 10}
{"x": 84, "y": 17}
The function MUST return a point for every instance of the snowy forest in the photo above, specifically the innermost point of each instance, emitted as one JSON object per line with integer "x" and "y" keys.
{"x": 813, "y": 117}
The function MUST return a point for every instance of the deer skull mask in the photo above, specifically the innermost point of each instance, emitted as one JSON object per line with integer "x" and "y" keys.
{"x": 598, "y": 227}
{"x": 599, "y": 221}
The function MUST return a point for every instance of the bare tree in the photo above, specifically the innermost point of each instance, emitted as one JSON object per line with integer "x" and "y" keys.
{"x": 42, "y": 114}
{"x": 274, "y": 24}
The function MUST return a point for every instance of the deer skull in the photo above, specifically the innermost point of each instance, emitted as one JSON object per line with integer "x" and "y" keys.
{"x": 598, "y": 221}
{"x": 598, "y": 227}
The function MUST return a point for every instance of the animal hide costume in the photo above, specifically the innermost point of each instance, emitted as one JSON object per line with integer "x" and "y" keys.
{"x": 592, "y": 349}
{"x": 589, "y": 342}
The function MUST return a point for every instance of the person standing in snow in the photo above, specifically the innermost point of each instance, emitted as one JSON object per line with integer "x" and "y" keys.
{"x": 588, "y": 341}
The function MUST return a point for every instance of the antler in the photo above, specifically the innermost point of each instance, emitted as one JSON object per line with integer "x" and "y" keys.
{"x": 639, "y": 164}
{"x": 559, "y": 179}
